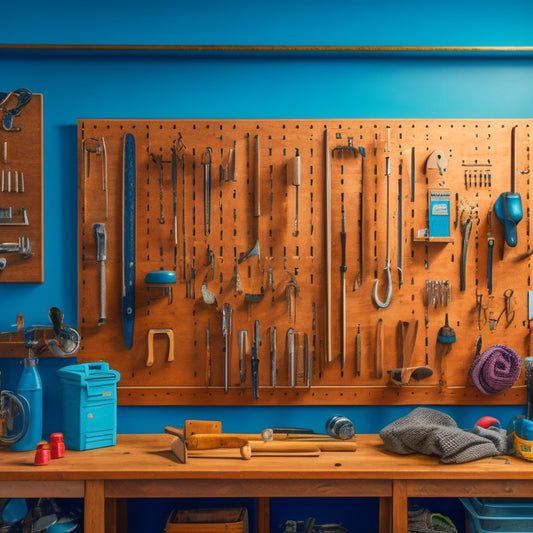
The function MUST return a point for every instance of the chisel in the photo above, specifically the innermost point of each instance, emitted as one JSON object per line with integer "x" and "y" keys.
{"x": 255, "y": 361}
{"x": 242, "y": 344}
{"x": 294, "y": 171}
{"x": 101, "y": 255}
{"x": 273, "y": 355}
{"x": 206, "y": 162}
{"x": 128, "y": 239}
{"x": 227, "y": 324}
{"x": 291, "y": 357}
{"x": 343, "y": 269}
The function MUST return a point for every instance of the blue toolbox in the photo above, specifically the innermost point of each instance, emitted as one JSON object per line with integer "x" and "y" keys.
{"x": 89, "y": 405}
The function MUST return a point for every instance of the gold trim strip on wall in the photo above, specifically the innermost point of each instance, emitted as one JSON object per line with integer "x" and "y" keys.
{"x": 270, "y": 48}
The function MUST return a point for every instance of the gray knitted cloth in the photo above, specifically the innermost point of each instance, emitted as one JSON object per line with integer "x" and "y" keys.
{"x": 432, "y": 432}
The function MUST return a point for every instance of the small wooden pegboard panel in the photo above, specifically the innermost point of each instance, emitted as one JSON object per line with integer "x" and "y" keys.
{"x": 21, "y": 196}
{"x": 273, "y": 251}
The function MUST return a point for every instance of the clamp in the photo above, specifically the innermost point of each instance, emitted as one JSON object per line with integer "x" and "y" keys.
{"x": 22, "y": 97}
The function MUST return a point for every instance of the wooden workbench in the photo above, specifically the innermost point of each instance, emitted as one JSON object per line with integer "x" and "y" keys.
{"x": 142, "y": 466}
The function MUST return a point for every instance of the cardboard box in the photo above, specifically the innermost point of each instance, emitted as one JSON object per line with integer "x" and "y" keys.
{"x": 215, "y": 520}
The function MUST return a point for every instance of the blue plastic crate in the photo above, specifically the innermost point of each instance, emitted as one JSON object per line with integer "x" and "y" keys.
{"x": 520, "y": 507}
{"x": 89, "y": 405}
{"x": 503, "y": 515}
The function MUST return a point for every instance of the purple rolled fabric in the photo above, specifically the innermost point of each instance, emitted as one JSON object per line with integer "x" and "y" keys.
{"x": 496, "y": 369}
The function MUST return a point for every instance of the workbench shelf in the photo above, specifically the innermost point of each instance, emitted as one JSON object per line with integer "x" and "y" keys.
{"x": 282, "y": 226}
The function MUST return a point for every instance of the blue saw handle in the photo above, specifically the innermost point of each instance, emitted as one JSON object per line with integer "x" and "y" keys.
{"x": 128, "y": 240}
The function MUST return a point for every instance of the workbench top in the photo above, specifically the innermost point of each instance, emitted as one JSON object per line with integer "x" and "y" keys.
{"x": 148, "y": 456}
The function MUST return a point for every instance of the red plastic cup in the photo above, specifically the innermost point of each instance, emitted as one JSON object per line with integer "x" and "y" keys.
{"x": 57, "y": 445}
{"x": 43, "y": 454}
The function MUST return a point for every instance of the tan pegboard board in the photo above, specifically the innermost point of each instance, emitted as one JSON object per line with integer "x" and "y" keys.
{"x": 21, "y": 192}
{"x": 474, "y": 149}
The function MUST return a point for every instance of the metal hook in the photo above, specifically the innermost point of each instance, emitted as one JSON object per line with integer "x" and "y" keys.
{"x": 388, "y": 296}
{"x": 377, "y": 301}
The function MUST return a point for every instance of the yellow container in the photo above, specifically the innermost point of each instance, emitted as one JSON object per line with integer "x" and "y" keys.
{"x": 524, "y": 448}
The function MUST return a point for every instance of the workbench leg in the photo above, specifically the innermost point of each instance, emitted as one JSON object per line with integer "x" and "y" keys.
{"x": 400, "y": 503}
{"x": 385, "y": 515}
{"x": 116, "y": 515}
{"x": 94, "y": 506}
{"x": 121, "y": 515}
{"x": 263, "y": 515}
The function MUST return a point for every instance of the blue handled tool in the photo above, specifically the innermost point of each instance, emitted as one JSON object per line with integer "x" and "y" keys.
{"x": 128, "y": 239}
{"x": 11, "y": 105}
{"x": 490, "y": 249}
{"x": 508, "y": 206}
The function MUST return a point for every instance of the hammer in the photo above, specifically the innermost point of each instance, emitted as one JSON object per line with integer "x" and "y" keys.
{"x": 251, "y": 444}
{"x": 202, "y": 443}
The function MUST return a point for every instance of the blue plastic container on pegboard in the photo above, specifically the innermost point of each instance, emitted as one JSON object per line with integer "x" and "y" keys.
{"x": 89, "y": 405}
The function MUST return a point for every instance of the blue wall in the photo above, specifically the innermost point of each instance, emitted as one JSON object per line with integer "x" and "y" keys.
{"x": 294, "y": 22}
{"x": 170, "y": 84}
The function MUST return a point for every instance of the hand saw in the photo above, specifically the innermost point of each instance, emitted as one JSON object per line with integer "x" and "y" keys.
{"x": 128, "y": 239}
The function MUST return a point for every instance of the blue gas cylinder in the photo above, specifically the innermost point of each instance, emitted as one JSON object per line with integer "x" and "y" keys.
{"x": 31, "y": 388}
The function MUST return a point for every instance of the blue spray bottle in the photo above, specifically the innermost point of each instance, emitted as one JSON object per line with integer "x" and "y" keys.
{"x": 31, "y": 388}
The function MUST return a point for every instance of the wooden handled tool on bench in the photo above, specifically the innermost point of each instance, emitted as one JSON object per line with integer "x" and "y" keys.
{"x": 251, "y": 444}
{"x": 202, "y": 443}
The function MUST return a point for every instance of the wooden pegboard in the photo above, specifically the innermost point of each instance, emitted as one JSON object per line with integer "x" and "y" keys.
{"x": 478, "y": 154}
{"x": 21, "y": 186}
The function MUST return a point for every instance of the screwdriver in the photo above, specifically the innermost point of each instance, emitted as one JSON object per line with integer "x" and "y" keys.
{"x": 343, "y": 269}
{"x": 295, "y": 171}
